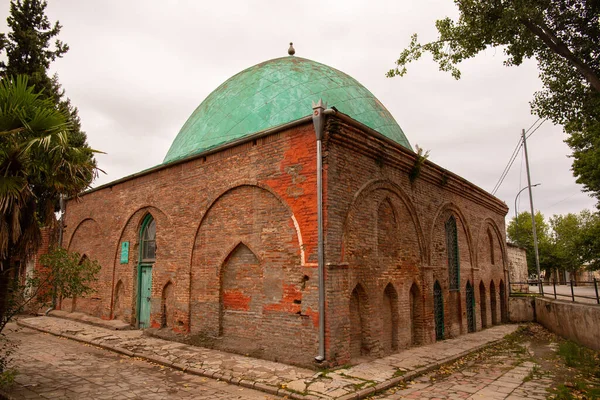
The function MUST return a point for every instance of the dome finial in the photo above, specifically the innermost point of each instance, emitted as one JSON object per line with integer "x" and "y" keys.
{"x": 291, "y": 50}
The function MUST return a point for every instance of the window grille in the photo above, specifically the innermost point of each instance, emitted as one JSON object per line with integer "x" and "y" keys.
{"x": 470, "y": 308}
{"x": 453, "y": 255}
{"x": 149, "y": 241}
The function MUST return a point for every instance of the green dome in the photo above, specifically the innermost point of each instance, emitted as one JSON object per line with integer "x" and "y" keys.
{"x": 273, "y": 93}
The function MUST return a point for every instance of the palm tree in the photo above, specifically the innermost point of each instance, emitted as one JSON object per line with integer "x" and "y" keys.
{"x": 37, "y": 167}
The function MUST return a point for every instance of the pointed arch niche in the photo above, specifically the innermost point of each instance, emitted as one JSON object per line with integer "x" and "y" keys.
{"x": 416, "y": 315}
{"x": 359, "y": 323}
{"x": 241, "y": 295}
{"x": 390, "y": 316}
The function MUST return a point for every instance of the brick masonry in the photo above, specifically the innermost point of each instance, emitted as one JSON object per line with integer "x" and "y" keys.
{"x": 236, "y": 258}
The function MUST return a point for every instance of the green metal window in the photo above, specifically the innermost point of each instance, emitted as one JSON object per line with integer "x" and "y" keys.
{"x": 438, "y": 311}
{"x": 453, "y": 255}
{"x": 470, "y": 307}
{"x": 148, "y": 240}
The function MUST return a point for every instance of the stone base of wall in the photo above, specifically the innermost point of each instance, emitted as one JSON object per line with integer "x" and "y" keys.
{"x": 577, "y": 322}
{"x": 521, "y": 309}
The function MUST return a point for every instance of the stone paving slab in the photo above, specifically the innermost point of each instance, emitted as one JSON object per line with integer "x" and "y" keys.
{"x": 270, "y": 377}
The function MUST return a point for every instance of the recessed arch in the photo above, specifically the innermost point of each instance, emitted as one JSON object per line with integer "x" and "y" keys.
{"x": 167, "y": 305}
{"x": 79, "y": 226}
{"x": 395, "y": 191}
{"x": 438, "y": 311}
{"x": 390, "y": 316}
{"x": 266, "y": 230}
{"x": 503, "y": 308}
{"x": 241, "y": 290}
{"x": 483, "y": 305}
{"x": 453, "y": 209}
{"x": 268, "y": 189}
{"x": 133, "y": 224}
{"x": 490, "y": 225}
{"x": 118, "y": 301}
{"x": 415, "y": 305}
{"x": 360, "y": 331}
{"x": 470, "y": 307}
{"x": 493, "y": 303}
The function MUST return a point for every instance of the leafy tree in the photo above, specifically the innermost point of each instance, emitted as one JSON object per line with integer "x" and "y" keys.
{"x": 29, "y": 51}
{"x": 63, "y": 275}
{"x": 562, "y": 35}
{"x": 590, "y": 239}
{"x": 519, "y": 231}
{"x": 37, "y": 166}
{"x": 567, "y": 240}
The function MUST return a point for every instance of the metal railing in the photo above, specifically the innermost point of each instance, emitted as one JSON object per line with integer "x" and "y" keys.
{"x": 576, "y": 291}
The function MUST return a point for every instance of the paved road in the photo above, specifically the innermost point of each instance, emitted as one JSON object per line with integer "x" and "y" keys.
{"x": 56, "y": 368}
{"x": 565, "y": 290}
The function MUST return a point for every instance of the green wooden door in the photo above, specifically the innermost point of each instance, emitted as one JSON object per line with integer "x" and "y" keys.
{"x": 145, "y": 291}
{"x": 470, "y": 308}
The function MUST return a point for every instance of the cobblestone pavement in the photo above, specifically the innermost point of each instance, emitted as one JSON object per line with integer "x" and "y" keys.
{"x": 271, "y": 377}
{"x": 56, "y": 368}
{"x": 501, "y": 372}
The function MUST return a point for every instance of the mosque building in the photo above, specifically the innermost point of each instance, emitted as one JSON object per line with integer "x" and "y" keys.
{"x": 291, "y": 220}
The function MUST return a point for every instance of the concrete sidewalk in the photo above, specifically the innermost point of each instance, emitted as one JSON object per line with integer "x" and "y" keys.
{"x": 274, "y": 378}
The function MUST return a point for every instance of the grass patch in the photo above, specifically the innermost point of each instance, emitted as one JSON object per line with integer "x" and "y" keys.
{"x": 583, "y": 379}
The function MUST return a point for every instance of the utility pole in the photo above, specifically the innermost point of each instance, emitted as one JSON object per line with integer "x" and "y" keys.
{"x": 535, "y": 241}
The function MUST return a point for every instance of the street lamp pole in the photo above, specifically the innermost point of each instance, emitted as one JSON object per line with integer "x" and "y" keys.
{"x": 516, "y": 212}
{"x": 535, "y": 243}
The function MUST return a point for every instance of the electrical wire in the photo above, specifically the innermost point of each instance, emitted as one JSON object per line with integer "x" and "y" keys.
{"x": 538, "y": 127}
{"x": 515, "y": 153}
{"x": 508, "y": 166}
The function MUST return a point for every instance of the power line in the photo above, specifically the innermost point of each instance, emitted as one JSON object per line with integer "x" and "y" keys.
{"x": 528, "y": 129}
{"x": 515, "y": 153}
{"x": 558, "y": 202}
{"x": 538, "y": 127}
{"x": 508, "y": 166}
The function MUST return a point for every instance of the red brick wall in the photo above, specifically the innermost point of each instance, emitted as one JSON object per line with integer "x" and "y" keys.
{"x": 258, "y": 200}
{"x": 385, "y": 232}
{"x": 237, "y": 246}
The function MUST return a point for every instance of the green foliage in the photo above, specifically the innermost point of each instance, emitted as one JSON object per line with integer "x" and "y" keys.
{"x": 562, "y": 35}
{"x": 63, "y": 275}
{"x": 29, "y": 51}
{"x": 419, "y": 161}
{"x": 37, "y": 165}
{"x": 520, "y": 232}
{"x": 7, "y": 374}
{"x": 568, "y": 242}
{"x": 66, "y": 275}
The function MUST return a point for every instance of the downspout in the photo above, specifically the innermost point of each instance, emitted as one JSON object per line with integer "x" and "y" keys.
{"x": 318, "y": 121}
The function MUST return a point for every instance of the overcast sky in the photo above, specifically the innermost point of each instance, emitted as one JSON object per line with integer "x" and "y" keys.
{"x": 137, "y": 69}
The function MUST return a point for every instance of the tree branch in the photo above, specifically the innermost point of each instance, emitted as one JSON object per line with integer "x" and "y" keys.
{"x": 546, "y": 35}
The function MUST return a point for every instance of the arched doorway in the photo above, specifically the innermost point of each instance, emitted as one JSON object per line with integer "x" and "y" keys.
{"x": 493, "y": 303}
{"x": 359, "y": 345}
{"x": 416, "y": 315}
{"x": 438, "y": 311}
{"x": 146, "y": 261}
{"x": 470, "y": 307}
{"x": 390, "y": 319}
{"x": 483, "y": 305}
{"x": 503, "y": 313}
